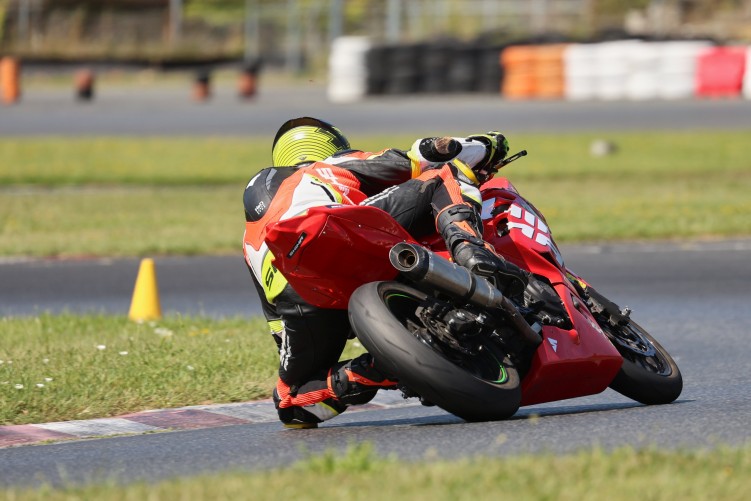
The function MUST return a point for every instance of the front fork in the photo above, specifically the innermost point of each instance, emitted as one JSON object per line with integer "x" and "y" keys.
{"x": 600, "y": 306}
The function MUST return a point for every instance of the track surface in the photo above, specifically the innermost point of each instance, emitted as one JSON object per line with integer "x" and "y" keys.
{"x": 693, "y": 297}
{"x": 169, "y": 111}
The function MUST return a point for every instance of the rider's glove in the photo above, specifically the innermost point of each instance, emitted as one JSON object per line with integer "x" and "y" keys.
{"x": 496, "y": 146}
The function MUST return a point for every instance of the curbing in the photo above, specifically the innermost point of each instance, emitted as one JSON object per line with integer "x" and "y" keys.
{"x": 182, "y": 418}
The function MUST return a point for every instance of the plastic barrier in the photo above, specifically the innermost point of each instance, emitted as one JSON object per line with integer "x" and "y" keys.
{"x": 613, "y": 66}
{"x": 677, "y": 68}
{"x": 533, "y": 72}
{"x": 720, "y": 71}
{"x": 348, "y": 75}
{"x": 548, "y": 71}
{"x": 518, "y": 65}
{"x": 643, "y": 66}
{"x": 579, "y": 69}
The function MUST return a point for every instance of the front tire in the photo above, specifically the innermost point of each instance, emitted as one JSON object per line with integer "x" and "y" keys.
{"x": 649, "y": 374}
{"x": 482, "y": 387}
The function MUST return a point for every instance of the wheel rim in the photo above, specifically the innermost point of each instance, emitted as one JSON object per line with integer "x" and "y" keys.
{"x": 633, "y": 343}
{"x": 486, "y": 362}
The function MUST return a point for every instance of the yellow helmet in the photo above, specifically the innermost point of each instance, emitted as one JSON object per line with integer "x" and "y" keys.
{"x": 306, "y": 139}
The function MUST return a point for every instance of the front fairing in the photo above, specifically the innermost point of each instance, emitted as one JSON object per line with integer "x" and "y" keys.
{"x": 518, "y": 231}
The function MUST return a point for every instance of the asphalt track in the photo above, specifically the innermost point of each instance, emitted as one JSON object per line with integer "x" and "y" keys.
{"x": 693, "y": 297}
{"x": 169, "y": 110}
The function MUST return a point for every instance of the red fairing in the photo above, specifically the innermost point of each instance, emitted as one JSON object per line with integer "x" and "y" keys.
{"x": 569, "y": 363}
{"x": 330, "y": 251}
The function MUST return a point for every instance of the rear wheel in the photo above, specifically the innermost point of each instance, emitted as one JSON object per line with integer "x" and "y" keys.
{"x": 476, "y": 384}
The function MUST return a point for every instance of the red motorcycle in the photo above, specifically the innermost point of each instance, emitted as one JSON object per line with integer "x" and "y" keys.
{"x": 452, "y": 338}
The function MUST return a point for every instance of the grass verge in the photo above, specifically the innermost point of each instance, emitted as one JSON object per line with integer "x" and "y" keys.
{"x": 136, "y": 197}
{"x": 65, "y": 367}
{"x": 623, "y": 474}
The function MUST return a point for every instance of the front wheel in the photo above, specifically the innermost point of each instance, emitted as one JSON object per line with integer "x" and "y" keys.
{"x": 481, "y": 385}
{"x": 649, "y": 374}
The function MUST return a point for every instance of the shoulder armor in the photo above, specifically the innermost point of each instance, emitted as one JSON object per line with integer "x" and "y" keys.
{"x": 261, "y": 189}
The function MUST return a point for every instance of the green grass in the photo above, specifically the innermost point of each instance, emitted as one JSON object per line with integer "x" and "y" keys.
{"x": 122, "y": 221}
{"x": 137, "y": 197}
{"x": 594, "y": 474}
{"x": 102, "y": 365}
{"x": 130, "y": 196}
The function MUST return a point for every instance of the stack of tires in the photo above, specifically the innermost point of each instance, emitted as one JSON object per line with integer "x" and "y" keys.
{"x": 611, "y": 70}
{"x": 678, "y": 68}
{"x": 348, "y": 72}
{"x": 720, "y": 72}
{"x": 580, "y": 71}
{"x": 632, "y": 69}
{"x": 443, "y": 66}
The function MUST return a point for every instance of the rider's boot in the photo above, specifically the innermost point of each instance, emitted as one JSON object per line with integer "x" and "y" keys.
{"x": 353, "y": 382}
{"x": 461, "y": 228}
{"x": 307, "y": 405}
{"x": 357, "y": 381}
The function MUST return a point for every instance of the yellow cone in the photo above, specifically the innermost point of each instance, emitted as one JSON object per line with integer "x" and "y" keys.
{"x": 145, "y": 304}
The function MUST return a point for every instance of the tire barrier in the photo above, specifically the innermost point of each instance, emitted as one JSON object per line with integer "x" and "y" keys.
{"x": 720, "y": 72}
{"x": 611, "y": 70}
{"x": 348, "y": 69}
{"x": 533, "y": 72}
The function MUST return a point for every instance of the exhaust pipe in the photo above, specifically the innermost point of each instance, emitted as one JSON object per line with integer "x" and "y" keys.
{"x": 422, "y": 266}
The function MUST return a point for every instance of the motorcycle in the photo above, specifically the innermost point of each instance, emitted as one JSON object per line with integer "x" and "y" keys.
{"x": 452, "y": 338}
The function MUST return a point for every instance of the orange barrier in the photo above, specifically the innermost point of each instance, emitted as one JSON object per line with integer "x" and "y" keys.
{"x": 533, "y": 72}
{"x": 10, "y": 77}
{"x": 518, "y": 65}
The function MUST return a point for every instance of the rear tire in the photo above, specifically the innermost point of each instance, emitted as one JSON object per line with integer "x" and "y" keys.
{"x": 484, "y": 387}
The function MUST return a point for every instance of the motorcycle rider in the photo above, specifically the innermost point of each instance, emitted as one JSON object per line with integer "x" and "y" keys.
{"x": 432, "y": 186}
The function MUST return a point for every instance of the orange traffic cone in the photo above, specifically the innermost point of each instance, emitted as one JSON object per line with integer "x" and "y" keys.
{"x": 145, "y": 304}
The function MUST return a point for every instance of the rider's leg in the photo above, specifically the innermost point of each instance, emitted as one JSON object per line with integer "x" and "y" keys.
{"x": 436, "y": 200}
{"x": 313, "y": 385}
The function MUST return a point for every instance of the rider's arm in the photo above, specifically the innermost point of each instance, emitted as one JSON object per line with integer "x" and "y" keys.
{"x": 375, "y": 171}
{"x": 378, "y": 171}
{"x": 423, "y": 155}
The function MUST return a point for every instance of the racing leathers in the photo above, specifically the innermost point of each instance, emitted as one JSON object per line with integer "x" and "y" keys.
{"x": 418, "y": 188}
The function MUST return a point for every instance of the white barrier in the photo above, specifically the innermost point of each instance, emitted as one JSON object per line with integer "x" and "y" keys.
{"x": 678, "y": 68}
{"x": 579, "y": 64}
{"x": 348, "y": 75}
{"x": 643, "y": 80}
{"x": 613, "y": 68}
{"x": 632, "y": 69}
